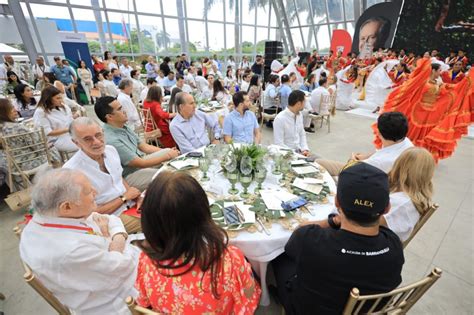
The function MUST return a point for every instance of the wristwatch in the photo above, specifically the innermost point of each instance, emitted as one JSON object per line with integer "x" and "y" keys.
{"x": 331, "y": 221}
{"x": 123, "y": 198}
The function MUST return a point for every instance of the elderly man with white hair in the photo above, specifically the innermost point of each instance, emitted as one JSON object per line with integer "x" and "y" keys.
{"x": 81, "y": 256}
{"x": 124, "y": 97}
{"x": 101, "y": 164}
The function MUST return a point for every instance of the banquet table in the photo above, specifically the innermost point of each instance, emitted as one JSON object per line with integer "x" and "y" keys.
{"x": 260, "y": 248}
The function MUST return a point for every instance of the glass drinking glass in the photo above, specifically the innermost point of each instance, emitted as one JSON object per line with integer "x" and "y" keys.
{"x": 285, "y": 166}
{"x": 260, "y": 174}
{"x": 245, "y": 174}
{"x": 232, "y": 174}
{"x": 204, "y": 167}
{"x": 276, "y": 166}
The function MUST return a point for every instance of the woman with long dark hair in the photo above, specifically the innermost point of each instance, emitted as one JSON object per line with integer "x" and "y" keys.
{"x": 219, "y": 92}
{"x": 255, "y": 88}
{"x": 55, "y": 118}
{"x": 25, "y": 103}
{"x": 186, "y": 266}
{"x": 153, "y": 102}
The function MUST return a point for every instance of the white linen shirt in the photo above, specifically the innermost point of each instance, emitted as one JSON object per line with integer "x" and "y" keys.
{"x": 56, "y": 119}
{"x": 77, "y": 267}
{"x": 186, "y": 88}
{"x": 108, "y": 186}
{"x": 288, "y": 131}
{"x": 403, "y": 216}
{"x": 110, "y": 88}
{"x": 129, "y": 108}
{"x": 385, "y": 157}
{"x": 315, "y": 100}
{"x": 125, "y": 71}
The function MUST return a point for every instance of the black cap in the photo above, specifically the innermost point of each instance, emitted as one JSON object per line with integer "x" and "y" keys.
{"x": 363, "y": 189}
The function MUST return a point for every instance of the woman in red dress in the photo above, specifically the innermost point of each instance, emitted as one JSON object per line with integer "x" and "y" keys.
{"x": 455, "y": 75}
{"x": 399, "y": 74}
{"x": 153, "y": 103}
{"x": 186, "y": 266}
{"x": 438, "y": 114}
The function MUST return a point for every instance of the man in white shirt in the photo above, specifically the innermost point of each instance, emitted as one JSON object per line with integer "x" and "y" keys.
{"x": 39, "y": 68}
{"x": 125, "y": 69}
{"x": 189, "y": 79}
{"x": 318, "y": 103}
{"x": 138, "y": 86}
{"x": 392, "y": 128}
{"x": 101, "y": 164}
{"x": 126, "y": 89}
{"x": 201, "y": 82}
{"x": 81, "y": 256}
{"x": 244, "y": 86}
{"x": 271, "y": 100}
{"x": 288, "y": 129}
{"x": 149, "y": 83}
{"x": 109, "y": 85}
{"x": 181, "y": 85}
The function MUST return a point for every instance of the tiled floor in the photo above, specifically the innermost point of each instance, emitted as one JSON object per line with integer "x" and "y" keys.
{"x": 446, "y": 241}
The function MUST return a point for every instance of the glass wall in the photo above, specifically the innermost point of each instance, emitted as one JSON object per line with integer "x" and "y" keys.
{"x": 198, "y": 27}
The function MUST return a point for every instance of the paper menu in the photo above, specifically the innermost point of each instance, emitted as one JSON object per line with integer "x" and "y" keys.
{"x": 299, "y": 162}
{"x": 274, "y": 198}
{"x": 180, "y": 164}
{"x": 301, "y": 170}
{"x": 312, "y": 188}
{"x": 249, "y": 216}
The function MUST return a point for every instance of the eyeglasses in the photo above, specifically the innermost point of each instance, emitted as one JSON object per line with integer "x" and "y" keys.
{"x": 90, "y": 140}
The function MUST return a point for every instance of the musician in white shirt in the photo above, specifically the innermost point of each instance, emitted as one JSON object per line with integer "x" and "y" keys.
{"x": 288, "y": 129}
{"x": 81, "y": 256}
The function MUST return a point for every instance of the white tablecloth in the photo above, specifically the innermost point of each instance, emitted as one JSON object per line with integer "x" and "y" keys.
{"x": 258, "y": 247}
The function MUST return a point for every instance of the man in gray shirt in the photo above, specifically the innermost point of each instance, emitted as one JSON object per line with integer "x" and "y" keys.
{"x": 189, "y": 127}
{"x": 136, "y": 156}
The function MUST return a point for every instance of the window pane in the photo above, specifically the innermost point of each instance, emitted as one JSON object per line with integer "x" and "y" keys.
{"x": 60, "y": 15}
{"x": 216, "y": 36}
{"x": 230, "y": 38}
{"x": 262, "y": 15}
{"x": 248, "y": 38}
{"x": 150, "y": 27}
{"x": 172, "y": 35}
{"x": 216, "y": 11}
{"x": 148, "y": 6}
{"x": 195, "y": 9}
{"x": 319, "y": 11}
{"x": 248, "y": 13}
{"x": 372, "y": 2}
{"x": 335, "y": 10}
{"x": 126, "y": 5}
{"x": 297, "y": 41}
{"x": 323, "y": 39}
{"x": 169, "y": 7}
{"x": 273, "y": 18}
{"x": 349, "y": 7}
{"x": 197, "y": 35}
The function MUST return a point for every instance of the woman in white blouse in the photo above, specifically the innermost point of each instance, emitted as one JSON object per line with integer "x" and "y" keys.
{"x": 411, "y": 189}
{"x": 55, "y": 118}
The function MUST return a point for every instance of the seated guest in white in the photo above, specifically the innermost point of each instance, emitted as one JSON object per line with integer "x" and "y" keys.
{"x": 101, "y": 164}
{"x": 109, "y": 85}
{"x": 125, "y": 69}
{"x": 76, "y": 109}
{"x": 149, "y": 83}
{"x": 317, "y": 96}
{"x": 244, "y": 86}
{"x": 126, "y": 89}
{"x": 313, "y": 275}
{"x": 138, "y": 86}
{"x": 136, "y": 156}
{"x": 81, "y": 256}
{"x": 393, "y": 128}
{"x": 201, "y": 83}
{"x": 241, "y": 125}
{"x": 271, "y": 97}
{"x": 208, "y": 92}
{"x": 411, "y": 189}
{"x": 168, "y": 82}
{"x": 189, "y": 77}
{"x": 25, "y": 103}
{"x": 189, "y": 127}
{"x": 180, "y": 84}
{"x": 288, "y": 129}
{"x": 55, "y": 117}
{"x": 285, "y": 90}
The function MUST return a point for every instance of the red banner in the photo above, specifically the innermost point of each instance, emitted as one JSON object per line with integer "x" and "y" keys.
{"x": 341, "y": 41}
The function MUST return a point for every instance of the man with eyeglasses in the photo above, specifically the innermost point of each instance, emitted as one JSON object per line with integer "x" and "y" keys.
{"x": 138, "y": 158}
{"x": 101, "y": 165}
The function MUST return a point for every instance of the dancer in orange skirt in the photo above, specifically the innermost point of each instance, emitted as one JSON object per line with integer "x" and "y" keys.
{"x": 438, "y": 115}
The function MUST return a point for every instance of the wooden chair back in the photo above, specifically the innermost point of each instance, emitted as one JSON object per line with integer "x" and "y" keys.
{"x": 25, "y": 153}
{"x": 398, "y": 301}
{"x": 324, "y": 105}
{"x": 150, "y": 130}
{"x": 423, "y": 219}
{"x": 138, "y": 310}
{"x": 36, "y": 284}
{"x": 332, "y": 103}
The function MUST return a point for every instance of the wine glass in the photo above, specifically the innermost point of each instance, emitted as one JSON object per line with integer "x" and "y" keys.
{"x": 230, "y": 165}
{"x": 276, "y": 166}
{"x": 209, "y": 152}
{"x": 260, "y": 174}
{"x": 245, "y": 174}
{"x": 285, "y": 166}
{"x": 204, "y": 167}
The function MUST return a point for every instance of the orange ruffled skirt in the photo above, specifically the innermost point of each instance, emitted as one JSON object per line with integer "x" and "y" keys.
{"x": 437, "y": 118}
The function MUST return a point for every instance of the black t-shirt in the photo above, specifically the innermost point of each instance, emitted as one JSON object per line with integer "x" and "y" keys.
{"x": 257, "y": 68}
{"x": 329, "y": 263}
